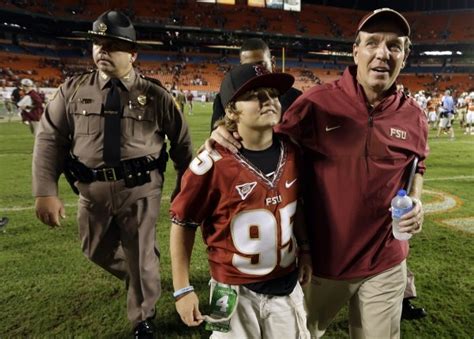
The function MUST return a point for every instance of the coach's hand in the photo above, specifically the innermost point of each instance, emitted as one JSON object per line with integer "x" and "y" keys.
{"x": 305, "y": 268}
{"x": 188, "y": 309}
{"x": 50, "y": 210}
{"x": 224, "y": 138}
{"x": 412, "y": 222}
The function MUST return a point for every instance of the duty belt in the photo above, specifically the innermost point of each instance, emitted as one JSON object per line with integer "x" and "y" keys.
{"x": 134, "y": 172}
{"x": 108, "y": 174}
{"x": 117, "y": 173}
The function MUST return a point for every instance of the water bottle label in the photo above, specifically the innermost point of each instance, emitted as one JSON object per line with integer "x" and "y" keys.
{"x": 398, "y": 212}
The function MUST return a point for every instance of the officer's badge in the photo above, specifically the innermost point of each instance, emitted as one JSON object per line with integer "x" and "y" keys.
{"x": 141, "y": 99}
{"x": 102, "y": 27}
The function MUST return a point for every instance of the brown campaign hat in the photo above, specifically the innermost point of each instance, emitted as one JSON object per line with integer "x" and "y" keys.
{"x": 246, "y": 77}
{"x": 384, "y": 14}
{"x": 112, "y": 25}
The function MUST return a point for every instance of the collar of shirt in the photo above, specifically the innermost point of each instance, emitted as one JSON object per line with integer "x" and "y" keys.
{"x": 351, "y": 86}
{"x": 127, "y": 80}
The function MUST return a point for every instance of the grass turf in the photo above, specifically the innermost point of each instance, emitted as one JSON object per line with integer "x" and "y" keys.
{"x": 48, "y": 288}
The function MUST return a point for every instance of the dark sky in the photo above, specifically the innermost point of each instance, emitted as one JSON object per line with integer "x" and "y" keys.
{"x": 400, "y": 5}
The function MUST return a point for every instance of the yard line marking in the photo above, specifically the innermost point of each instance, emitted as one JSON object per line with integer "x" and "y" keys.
{"x": 25, "y": 208}
{"x": 459, "y": 177}
{"x": 464, "y": 224}
{"x": 32, "y": 207}
{"x": 444, "y": 202}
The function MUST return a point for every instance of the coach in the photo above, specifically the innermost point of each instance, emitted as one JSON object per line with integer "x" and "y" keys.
{"x": 359, "y": 135}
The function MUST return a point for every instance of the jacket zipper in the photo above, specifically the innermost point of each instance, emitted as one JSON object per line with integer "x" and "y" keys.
{"x": 369, "y": 137}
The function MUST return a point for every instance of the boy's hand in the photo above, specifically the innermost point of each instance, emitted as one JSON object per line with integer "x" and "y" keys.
{"x": 188, "y": 309}
{"x": 305, "y": 268}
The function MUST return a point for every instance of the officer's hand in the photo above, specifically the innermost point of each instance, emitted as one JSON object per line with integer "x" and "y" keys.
{"x": 224, "y": 138}
{"x": 50, "y": 210}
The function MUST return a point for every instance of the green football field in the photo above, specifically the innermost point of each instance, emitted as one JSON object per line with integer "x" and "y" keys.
{"x": 49, "y": 289}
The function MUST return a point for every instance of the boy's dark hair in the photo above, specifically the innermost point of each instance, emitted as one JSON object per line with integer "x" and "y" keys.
{"x": 254, "y": 44}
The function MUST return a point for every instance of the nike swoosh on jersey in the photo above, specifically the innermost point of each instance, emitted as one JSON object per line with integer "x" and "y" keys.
{"x": 331, "y": 128}
{"x": 289, "y": 184}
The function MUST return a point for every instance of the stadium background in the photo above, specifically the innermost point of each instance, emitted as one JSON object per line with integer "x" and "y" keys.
{"x": 48, "y": 289}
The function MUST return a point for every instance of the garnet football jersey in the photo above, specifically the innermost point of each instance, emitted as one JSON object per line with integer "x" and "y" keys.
{"x": 246, "y": 218}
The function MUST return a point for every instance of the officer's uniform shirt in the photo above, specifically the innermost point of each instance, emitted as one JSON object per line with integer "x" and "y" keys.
{"x": 73, "y": 121}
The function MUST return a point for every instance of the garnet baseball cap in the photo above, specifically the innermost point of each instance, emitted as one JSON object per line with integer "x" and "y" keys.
{"x": 244, "y": 78}
{"x": 385, "y": 14}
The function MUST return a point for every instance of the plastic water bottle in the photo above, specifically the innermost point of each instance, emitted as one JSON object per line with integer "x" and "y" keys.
{"x": 401, "y": 205}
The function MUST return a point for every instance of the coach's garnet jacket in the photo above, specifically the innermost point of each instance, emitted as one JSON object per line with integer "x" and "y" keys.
{"x": 358, "y": 158}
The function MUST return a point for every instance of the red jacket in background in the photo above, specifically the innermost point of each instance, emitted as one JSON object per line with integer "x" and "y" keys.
{"x": 36, "y": 110}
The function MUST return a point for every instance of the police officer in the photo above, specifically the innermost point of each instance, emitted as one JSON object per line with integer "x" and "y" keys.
{"x": 109, "y": 125}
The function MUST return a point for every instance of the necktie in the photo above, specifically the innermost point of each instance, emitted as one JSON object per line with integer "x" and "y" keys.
{"x": 112, "y": 131}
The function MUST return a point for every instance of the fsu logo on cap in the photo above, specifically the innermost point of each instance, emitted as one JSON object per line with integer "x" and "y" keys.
{"x": 260, "y": 70}
{"x": 102, "y": 27}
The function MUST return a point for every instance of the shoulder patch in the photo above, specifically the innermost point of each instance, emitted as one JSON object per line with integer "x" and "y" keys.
{"x": 155, "y": 81}
{"x": 76, "y": 81}
{"x": 80, "y": 74}
{"x": 86, "y": 72}
{"x": 55, "y": 94}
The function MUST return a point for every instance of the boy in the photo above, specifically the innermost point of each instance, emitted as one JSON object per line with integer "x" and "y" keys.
{"x": 246, "y": 204}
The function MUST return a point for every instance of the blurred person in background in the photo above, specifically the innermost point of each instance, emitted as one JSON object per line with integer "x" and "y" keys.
{"x": 181, "y": 99}
{"x": 189, "y": 100}
{"x": 30, "y": 105}
{"x": 461, "y": 108}
{"x": 446, "y": 115}
{"x": 432, "y": 115}
{"x": 255, "y": 50}
{"x": 17, "y": 94}
{"x": 470, "y": 114}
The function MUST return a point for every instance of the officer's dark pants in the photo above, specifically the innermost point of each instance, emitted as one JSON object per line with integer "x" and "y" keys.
{"x": 117, "y": 230}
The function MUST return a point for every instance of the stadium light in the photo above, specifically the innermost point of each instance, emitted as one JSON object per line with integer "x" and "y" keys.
{"x": 146, "y": 42}
{"x": 336, "y": 53}
{"x": 9, "y": 24}
{"x": 223, "y": 46}
{"x": 439, "y": 53}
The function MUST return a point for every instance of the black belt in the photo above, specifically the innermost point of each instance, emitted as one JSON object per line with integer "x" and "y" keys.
{"x": 117, "y": 173}
{"x": 108, "y": 173}
{"x": 134, "y": 172}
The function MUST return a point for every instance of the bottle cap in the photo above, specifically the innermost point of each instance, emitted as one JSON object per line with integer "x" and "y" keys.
{"x": 401, "y": 193}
